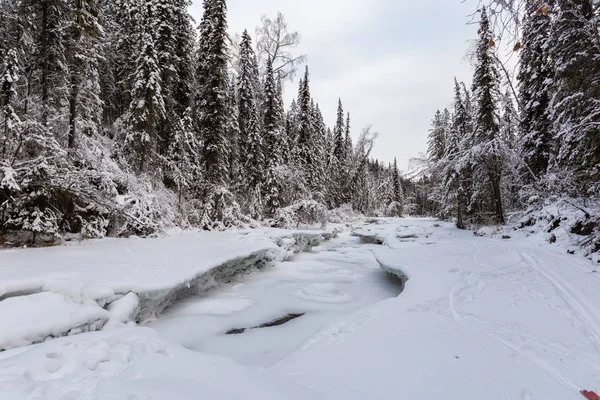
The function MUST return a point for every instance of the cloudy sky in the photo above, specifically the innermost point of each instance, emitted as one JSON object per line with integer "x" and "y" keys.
{"x": 392, "y": 62}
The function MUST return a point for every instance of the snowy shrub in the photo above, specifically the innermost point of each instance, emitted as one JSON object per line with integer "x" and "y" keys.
{"x": 305, "y": 212}
{"x": 39, "y": 222}
{"x": 220, "y": 211}
{"x": 394, "y": 209}
{"x": 94, "y": 228}
{"x": 342, "y": 214}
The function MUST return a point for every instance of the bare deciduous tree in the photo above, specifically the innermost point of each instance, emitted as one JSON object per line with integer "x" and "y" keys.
{"x": 275, "y": 42}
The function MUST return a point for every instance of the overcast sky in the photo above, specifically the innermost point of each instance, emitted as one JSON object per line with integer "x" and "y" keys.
{"x": 391, "y": 61}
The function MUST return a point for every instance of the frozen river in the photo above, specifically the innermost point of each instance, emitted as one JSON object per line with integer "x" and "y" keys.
{"x": 315, "y": 289}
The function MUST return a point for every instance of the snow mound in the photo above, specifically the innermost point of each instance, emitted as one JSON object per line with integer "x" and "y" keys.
{"x": 37, "y": 317}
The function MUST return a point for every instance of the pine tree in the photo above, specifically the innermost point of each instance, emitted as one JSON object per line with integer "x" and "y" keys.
{"x": 272, "y": 133}
{"x": 509, "y": 123}
{"x": 10, "y": 78}
{"x": 340, "y": 158}
{"x": 437, "y": 138}
{"x": 575, "y": 107}
{"x": 233, "y": 129}
{"x": 184, "y": 38}
{"x": 320, "y": 153}
{"x": 211, "y": 100}
{"x": 46, "y": 20}
{"x": 291, "y": 131}
{"x": 182, "y": 156}
{"x": 338, "y": 133}
{"x": 252, "y": 156}
{"x": 126, "y": 42}
{"x": 398, "y": 193}
{"x": 147, "y": 108}
{"x": 304, "y": 147}
{"x": 348, "y": 140}
{"x": 486, "y": 152}
{"x": 535, "y": 90}
{"x": 456, "y": 178}
{"x": 85, "y": 105}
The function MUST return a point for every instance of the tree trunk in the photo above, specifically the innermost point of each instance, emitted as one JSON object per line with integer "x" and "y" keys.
{"x": 73, "y": 111}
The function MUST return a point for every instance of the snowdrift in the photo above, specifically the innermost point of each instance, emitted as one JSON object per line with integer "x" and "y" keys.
{"x": 51, "y": 292}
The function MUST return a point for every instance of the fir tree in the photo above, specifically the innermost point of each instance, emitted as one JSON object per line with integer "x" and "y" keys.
{"x": 575, "y": 107}
{"x": 304, "y": 147}
{"x": 398, "y": 193}
{"x": 147, "y": 108}
{"x": 46, "y": 20}
{"x": 85, "y": 105}
{"x": 437, "y": 136}
{"x": 272, "y": 133}
{"x": 233, "y": 129}
{"x": 338, "y": 134}
{"x": 486, "y": 152}
{"x": 319, "y": 153}
{"x": 348, "y": 140}
{"x": 535, "y": 82}
{"x": 252, "y": 156}
{"x": 211, "y": 101}
{"x": 10, "y": 78}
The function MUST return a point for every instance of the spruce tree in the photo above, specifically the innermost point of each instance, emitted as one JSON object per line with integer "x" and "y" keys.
{"x": 46, "y": 21}
{"x": 437, "y": 138}
{"x": 338, "y": 135}
{"x": 147, "y": 108}
{"x": 398, "y": 193}
{"x": 304, "y": 147}
{"x": 340, "y": 158}
{"x": 486, "y": 152}
{"x": 272, "y": 141}
{"x": 211, "y": 100}
{"x": 85, "y": 105}
{"x": 535, "y": 91}
{"x": 252, "y": 156}
{"x": 291, "y": 131}
{"x": 233, "y": 129}
{"x": 575, "y": 106}
{"x": 320, "y": 153}
{"x": 8, "y": 93}
{"x": 348, "y": 140}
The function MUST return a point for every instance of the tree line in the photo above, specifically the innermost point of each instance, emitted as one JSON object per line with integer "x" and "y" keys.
{"x": 123, "y": 117}
{"x": 536, "y": 141}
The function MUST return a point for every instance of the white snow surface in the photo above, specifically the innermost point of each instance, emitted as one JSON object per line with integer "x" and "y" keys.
{"x": 479, "y": 318}
{"x": 56, "y": 291}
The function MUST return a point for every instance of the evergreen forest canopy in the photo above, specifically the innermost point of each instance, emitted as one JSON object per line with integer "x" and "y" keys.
{"x": 124, "y": 117}
{"x": 507, "y": 145}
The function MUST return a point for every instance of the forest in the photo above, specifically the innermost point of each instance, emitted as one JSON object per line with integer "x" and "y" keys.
{"x": 508, "y": 143}
{"x": 127, "y": 117}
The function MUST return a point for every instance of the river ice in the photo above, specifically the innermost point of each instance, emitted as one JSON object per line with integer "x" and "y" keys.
{"x": 335, "y": 280}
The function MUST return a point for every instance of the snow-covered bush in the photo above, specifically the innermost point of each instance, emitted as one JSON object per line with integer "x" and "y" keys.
{"x": 305, "y": 212}
{"x": 342, "y": 214}
{"x": 574, "y": 222}
{"x": 220, "y": 211}
{"x": 394, "y": 209}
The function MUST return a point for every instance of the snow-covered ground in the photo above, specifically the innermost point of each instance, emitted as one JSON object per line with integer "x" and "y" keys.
{"x": 480, "y": 318}
{"x": 56, "y": 291}
{"x": 337, "y": 279}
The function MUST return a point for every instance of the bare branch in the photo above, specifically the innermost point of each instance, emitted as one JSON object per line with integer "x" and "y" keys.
{"x": 276, "y": 43}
